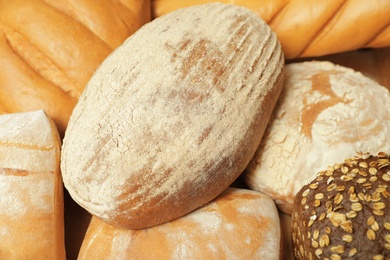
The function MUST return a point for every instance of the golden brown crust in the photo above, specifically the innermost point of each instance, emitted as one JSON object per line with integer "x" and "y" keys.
{"x": 50, "y": 49}
{"x": 31, "y": 199}
{"x": 238, "y": 224}
{"x": 313, "y": 28}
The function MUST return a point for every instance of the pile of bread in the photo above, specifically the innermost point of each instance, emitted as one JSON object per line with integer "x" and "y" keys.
{"x": 166, "y": 129}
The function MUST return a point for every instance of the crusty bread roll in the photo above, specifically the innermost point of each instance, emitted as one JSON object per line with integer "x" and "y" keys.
{"x": 344, "y": 212}
{"x": 50, "y": 49}
{"x": 31, "y": 190}
{"x": 238, "y": 224}
{"x": 373, "y": 63}
{"x": 312, "y": 28}
{"x": 173, "y": 116}
{"x": 325, "y": 111}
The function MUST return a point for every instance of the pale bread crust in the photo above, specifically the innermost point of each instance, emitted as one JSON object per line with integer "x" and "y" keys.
{"x": 173, "y": 116}
{"x": 31, "y": 189}
{"x": 238, "y": 224}
{"x": 325, "y": 112}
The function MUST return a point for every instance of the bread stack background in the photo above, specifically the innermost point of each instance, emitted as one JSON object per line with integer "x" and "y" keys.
{"x": 50, "y": 59}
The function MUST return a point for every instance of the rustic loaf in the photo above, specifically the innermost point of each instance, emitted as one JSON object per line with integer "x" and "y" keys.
{"x": 312, "y": 28}
{"x": 50, "y": 49}
{"x": 325, "y": 112}
{"x": 173, "y": 116}
{"x": 31, "y": 189}
{"x": 344, "y": 212}
{"x": 238, "y": 224}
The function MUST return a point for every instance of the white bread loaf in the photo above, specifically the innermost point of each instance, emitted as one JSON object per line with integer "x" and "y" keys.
{"x": 31, "y": 190}
{"x": 238, "y": 224}
{"x": 173, "y": 116}
{"x": 325, "y": 112}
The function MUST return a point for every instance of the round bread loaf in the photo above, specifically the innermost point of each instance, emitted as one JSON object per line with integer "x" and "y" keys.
{"x": 344, "y": 212}
{"x": 238, "y": 224}
{"x": 172, "y": 117}
{"x": 325, "y": 112}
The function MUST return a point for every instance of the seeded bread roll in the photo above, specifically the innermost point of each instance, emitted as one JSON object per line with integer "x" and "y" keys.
{"x": 172, "y": 117}
{"x": 325, "y": 111}
{"x": 344, "y": 212}
{"x": 50, "y": 49}
{"x": 31, "y": 189}
{"x": 238, "y": 224}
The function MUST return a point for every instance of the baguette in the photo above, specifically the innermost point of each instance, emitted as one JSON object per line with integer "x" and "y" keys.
{"x": 31, "y": 193}
{"x": 50, "y": 49}
{"x": 312, "y": 28}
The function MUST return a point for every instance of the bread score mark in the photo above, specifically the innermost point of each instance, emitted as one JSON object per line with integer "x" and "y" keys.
{"x": 26, "y": 146}
{"x": 311, "y": 110}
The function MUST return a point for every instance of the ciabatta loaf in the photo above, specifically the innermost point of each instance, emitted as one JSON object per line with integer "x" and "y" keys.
{"x": 31, "y": 189}
{"x": 238, "y": 224}
{"x": 173, "y": 116}
{"x": 325, "y": 112}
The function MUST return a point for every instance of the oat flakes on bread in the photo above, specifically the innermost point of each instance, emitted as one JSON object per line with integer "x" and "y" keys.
{"x": 344, "y": 213}
{"x": 324, "y": 112}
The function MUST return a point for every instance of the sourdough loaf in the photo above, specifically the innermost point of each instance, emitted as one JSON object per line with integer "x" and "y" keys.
{"x": 312, "y": 28}
{"x": 50, "y": 49}
{"x": 173, "y": 116}
{"x": 325, "y": 111}
{"x": 31, "y": 190}
{"x": 238, "y": 224}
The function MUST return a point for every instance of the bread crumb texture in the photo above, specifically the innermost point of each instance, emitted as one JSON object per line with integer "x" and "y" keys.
{"x": 173, "y": 116}
{"x": 324, "y": 112}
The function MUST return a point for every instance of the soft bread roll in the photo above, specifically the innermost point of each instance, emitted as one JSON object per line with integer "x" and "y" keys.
{"x": 31, "y": 190}
{"x": 50, "y": 49}
{"x": 312, "y": 28}
{"x": 325, "y": 111}
{"x": 238, "y": 224}
{"x": 173, "y": 116}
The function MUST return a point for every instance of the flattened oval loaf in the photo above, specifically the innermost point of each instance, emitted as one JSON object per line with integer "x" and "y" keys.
{"x": 173, "y": 116}
{"x": 238, "y": 224}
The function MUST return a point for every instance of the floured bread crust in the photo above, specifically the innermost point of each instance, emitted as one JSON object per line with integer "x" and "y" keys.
{"x": 173, "y": 116}
{"x": 325, "y": 112}
{"x": 238, "y": 224}
{"x": 31, "y": 198}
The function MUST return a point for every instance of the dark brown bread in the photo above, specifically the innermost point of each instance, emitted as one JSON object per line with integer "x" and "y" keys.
{"x": 344, "y": 212}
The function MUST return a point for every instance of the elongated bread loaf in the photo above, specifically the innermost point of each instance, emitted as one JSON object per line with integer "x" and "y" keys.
{"x": 50, "y": 49}
{"x": 173, "y": 116}
{"x": 313, "y": 28}
{"x": 238, "y": 224}
{"x": 31, "y": 189}
{"x": 325, "y": 112}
